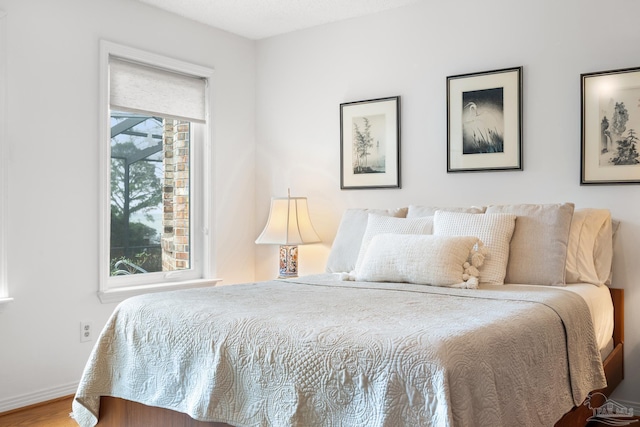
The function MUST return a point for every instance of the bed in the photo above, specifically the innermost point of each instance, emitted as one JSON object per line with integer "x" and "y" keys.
{"x": 369, "y": 343}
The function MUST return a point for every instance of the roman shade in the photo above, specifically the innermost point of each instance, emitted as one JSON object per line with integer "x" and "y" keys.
{"x": 140, "y": 88}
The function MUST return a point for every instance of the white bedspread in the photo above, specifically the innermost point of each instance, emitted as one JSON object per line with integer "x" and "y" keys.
{"x": 315, "y": 351}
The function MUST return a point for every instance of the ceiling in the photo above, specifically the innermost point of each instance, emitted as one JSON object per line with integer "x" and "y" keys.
{"x": 258, "y": 19}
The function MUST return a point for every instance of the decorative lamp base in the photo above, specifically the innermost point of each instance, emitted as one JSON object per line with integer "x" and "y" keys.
{"x": 288, "y": 261}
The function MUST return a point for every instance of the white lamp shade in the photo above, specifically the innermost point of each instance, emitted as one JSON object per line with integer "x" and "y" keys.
{"x": 288, "y": 223}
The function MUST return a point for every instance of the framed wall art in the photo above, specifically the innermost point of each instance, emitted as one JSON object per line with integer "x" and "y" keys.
{"x": 610, "y": 127}
{"x": 370, "y": 144}
{"x": 484, "y": 121}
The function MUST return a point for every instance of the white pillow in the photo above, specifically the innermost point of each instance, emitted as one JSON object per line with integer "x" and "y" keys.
{"x": 494, "y": 230}
{"x": 346, "y": 244}
{"x": 538, "y": 251}
{"x": 590, "y": 247}
{"x": 383, "y": 224}
{"x": 415, "y": 211}
{"x": 421, "y": 259}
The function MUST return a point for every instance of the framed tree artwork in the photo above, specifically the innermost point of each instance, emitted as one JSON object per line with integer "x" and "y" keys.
{"x": 370, "y": 144}
{"x": 610, "y": 127}
{"x": 484, "y": 121}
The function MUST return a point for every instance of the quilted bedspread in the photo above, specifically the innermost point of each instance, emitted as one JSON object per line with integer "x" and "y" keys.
{"x": 316, "y": 351}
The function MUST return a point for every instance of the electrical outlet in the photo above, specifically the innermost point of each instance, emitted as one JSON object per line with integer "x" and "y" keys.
{"x": 86, "y": 331}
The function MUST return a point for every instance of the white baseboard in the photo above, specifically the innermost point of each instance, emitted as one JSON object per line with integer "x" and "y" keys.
{"x": 37, "y": 397}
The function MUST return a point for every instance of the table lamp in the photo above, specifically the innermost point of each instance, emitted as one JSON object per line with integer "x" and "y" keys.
{"x": 288, "y": 225}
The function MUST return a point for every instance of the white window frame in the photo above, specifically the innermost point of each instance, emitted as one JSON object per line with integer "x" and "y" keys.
{"x": 202, "y": 271}
{"x": 4, "y": 164}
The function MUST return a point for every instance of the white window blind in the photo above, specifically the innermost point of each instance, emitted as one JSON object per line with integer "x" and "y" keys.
{"x": 136, "y": 87}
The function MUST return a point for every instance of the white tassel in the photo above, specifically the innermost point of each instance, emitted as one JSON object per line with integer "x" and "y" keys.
{"x": 471, "y": 270}
{"x": 344, "y": 277}
{"x": 471, "y": 283}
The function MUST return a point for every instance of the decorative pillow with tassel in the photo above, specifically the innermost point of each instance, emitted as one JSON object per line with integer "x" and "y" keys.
{"x": 451, "y": 261}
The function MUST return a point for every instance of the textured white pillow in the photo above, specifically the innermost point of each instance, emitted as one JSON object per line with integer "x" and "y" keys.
{"x": 494, "y": 230}
{"x": 415, "y": 211}
{"x": 383, "y": 224}
{"x": 346, "y": 245}
{"x": 538, "y": 251}
{"x": 420, "y": 259}
{"x": 590, "y": 247}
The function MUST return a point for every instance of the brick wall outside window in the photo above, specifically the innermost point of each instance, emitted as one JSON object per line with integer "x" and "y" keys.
{"x": 175, "y": 196}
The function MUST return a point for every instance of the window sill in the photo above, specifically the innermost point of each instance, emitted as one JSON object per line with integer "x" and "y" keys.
{"x": 120, "y": 294}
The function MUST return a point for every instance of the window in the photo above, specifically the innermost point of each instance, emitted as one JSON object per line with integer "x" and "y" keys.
{"x": 155, "y": 161}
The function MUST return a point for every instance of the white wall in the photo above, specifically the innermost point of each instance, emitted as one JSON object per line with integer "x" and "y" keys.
{"x": 53, "y": 153}
{"x": 305, "y": 75}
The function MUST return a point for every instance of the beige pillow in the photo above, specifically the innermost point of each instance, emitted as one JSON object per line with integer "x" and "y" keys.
{"x": 346, "y": 245}
{"x": 538, "y": 251}
{"x": 590, "y": 247}
{"x": 601, "y": 248}
{"x": 420, "y": 259}
{"x": 422, "y": 211}
{"x": 494, "y": 230}
{"x": 383, "y": 224}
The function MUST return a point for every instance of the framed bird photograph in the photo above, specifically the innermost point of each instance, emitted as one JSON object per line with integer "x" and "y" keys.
{"x": 484, "y": 121}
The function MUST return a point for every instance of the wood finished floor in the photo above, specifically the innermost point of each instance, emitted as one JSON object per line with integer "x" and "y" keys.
{"x": 56, "y": 414}
{"x": 51, "y": 414}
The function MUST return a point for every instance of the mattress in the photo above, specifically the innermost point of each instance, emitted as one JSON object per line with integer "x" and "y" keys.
{"x": 598, "y": 299}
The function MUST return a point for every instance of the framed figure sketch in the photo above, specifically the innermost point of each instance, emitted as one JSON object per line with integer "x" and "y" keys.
{"x": 610, "y": 127}
{"x": 484, "y": 121}
{"x": 370, "y": 144}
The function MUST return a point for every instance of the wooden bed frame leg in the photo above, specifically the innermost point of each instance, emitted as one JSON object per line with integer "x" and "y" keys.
{"x": 115, "y": 412}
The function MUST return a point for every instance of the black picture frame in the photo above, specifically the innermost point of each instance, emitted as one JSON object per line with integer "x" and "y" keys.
{"x": 370, "y": 144}
{"x": 610, "y": 127}
{"x": 484, "y": 121}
